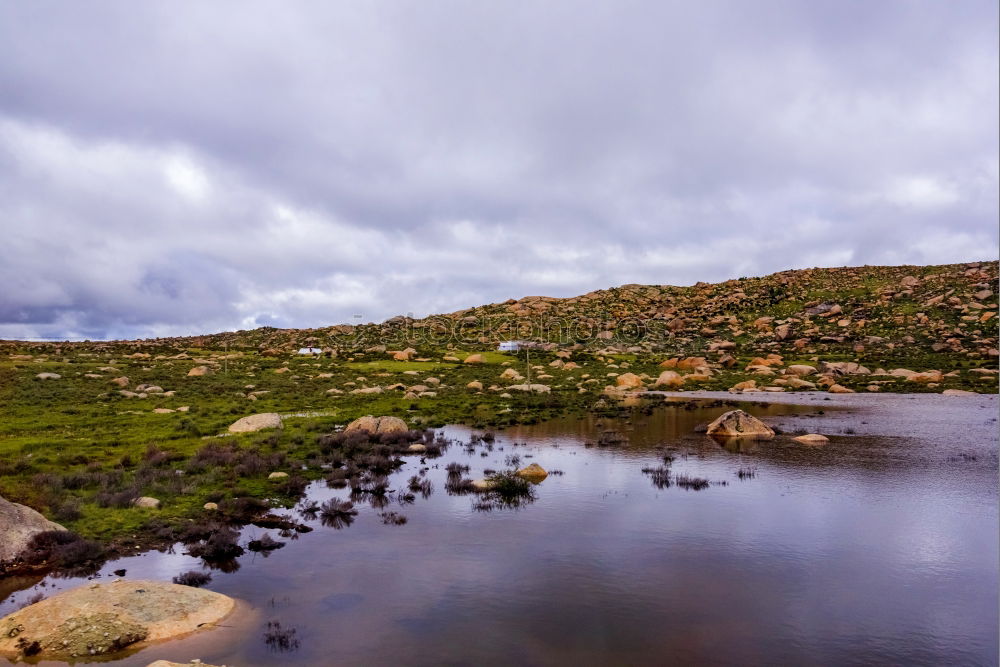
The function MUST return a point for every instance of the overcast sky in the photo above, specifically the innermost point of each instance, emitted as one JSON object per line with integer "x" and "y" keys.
{"x": 187, "y": 167}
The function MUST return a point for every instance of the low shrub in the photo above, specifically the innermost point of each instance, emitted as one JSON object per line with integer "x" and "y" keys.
{"x": 193, "y": 578}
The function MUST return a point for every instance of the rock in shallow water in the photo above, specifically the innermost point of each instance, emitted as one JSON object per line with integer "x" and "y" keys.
{"x": 739, "y": 424}
{"x": 812, "y": 439}
{"x": 533, "y": 473}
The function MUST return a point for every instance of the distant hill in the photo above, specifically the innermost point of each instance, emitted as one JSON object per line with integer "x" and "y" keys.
{"x": 945, "y": 311}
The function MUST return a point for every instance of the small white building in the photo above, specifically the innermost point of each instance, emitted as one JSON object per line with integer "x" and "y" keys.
{"x": 509, "y": 346}
{"x": 313, "y": 351}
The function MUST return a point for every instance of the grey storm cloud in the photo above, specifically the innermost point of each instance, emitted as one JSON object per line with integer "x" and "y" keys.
{"x": 184, "y": 167}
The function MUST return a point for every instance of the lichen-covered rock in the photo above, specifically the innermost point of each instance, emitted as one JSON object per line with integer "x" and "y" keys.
{"x": 256, "y": 422}
{"x": 98, "y": 619}
{"x": 739, "y": 424}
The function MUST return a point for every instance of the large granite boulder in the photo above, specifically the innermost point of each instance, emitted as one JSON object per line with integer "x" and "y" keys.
{"x": 18, "y": 524}
{"x": 377, "y": 425}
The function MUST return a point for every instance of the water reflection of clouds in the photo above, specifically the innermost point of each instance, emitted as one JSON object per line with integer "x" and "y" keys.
{"x": 815, "y": 559}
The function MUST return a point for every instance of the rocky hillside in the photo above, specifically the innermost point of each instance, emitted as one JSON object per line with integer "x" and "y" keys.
{"x": 923, "y": 315}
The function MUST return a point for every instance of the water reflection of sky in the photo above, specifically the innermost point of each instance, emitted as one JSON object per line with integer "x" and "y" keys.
{"x": 871, "y": 549}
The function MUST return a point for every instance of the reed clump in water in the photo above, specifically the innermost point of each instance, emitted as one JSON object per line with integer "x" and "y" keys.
{"x": 337, "y": 513}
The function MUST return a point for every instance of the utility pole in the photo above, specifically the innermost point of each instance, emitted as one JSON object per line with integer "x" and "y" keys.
{"x": 527, "y": 357}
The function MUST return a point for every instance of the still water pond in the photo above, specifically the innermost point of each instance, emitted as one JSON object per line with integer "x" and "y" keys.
{"x": 876, "y": 548}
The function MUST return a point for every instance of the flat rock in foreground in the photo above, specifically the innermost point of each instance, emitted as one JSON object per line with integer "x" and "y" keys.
{"x": 739, "y": 424}
{"x": 105, "y": 618}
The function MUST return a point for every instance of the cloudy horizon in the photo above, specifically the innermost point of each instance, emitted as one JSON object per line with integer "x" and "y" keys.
{"x": 185, "y": 168}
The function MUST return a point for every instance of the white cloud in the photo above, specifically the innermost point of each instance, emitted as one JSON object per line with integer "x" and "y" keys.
{"x": 187, "y": 178}
{"x": 922, "y": 192}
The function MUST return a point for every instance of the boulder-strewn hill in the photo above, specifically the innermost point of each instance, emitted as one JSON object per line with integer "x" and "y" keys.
{"x": 925, "y": 313}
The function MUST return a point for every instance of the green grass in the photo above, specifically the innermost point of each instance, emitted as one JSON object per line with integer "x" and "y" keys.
{"x": 65, "y": 442}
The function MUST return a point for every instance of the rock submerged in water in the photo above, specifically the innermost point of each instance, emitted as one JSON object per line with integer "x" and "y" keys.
{"x": 739, "y": 424}
{"x": 256, "y": 422}
{"x": 812, "y": 439}
{"x": 18, "y": 524}
{"x": 98, "y": 619}
{"x": 377, "y": 425}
